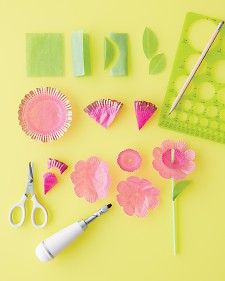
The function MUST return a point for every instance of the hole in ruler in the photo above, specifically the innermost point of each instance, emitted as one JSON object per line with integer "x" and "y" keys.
{"x": 191, "y": 61}
{"x": 193, "y": 119}
{"x": 219, "y": 71}
{"x": 206, "y": 91}
{"x": 211, "y": 111}
{"x": 180, "y": 82}
{"x": 221, "y": 96}
{"x": 187, "y": 104}
{"x": 222, "y": 115}
{"x": 199, "y": 108}
{"x": 204, "y": 122}
{"x": 183, "y": 116}
{"x": 200, "y": 33}
{"x": 214, "y": 125}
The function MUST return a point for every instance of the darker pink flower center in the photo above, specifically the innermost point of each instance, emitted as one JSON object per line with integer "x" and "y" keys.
{"x": 179, "y": 159}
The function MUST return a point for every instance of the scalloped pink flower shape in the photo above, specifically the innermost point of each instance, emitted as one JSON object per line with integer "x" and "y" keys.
{"x": 91, "y": 179}
{"x": 137, "y": 196}
{"x": 182, "y": 165}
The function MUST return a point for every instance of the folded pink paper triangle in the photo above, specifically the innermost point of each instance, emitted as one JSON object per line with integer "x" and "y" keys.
{"x": 50, "y": 180}
{"x": 144, "y": 111}
{"x": 104, "y": 111}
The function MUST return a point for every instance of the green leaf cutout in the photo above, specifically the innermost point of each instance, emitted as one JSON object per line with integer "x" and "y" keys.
{"x": 157, "y": 64}
{"x": 179, "y": 187}
{"x": 150, "y": 42}
{"x": 109, "y": 52}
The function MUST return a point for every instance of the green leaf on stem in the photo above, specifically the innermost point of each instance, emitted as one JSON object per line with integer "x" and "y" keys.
{"x": 179, "y": 187}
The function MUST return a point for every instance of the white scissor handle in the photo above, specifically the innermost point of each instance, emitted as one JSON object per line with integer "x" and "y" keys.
{"x": 21, "y": 205}
{"x": 37, "y": 205}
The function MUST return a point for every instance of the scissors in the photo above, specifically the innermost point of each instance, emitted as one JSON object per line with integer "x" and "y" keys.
{"x": 21, "y": 204}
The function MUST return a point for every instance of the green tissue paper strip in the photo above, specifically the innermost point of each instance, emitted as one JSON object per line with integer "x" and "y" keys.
{"x": 121, "y": 66}
{"x": 45, "y": 54}
{"x": 81, "y": 54}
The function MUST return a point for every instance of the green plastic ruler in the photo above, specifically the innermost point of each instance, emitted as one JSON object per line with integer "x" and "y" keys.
{"x": 201, "y": 111}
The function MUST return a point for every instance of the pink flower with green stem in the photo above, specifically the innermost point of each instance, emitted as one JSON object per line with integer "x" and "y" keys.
{"x": 175, "y": 161}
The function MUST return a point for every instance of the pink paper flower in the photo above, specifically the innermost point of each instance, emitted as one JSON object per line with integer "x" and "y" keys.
{"x": 137, "y": 196}
{"x": 183, "y": 160}
{"x": 91, "y": 179}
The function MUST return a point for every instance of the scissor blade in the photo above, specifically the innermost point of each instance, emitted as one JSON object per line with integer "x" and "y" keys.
{"x": 29, "y": 188}
{"x": 30, "y": 174}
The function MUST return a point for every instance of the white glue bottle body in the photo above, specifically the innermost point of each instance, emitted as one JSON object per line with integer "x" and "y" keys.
{"x": 53, "y": 245}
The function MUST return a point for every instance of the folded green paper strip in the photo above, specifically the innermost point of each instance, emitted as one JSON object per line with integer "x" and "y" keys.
{"x": 109, "y": 52}
{"x": 81, "y": 54}
{"x": 121, "y": 66}
{"x": 44, "y": 54}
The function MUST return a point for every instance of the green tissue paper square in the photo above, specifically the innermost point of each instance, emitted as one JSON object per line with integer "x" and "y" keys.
{"x": 45, "y": 54}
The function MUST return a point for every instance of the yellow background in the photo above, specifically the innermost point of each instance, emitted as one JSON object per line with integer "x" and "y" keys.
{"x": 116, "y": 247}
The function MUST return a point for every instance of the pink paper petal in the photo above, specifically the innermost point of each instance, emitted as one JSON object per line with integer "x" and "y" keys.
{"x": 50, "y": 180}
{"x": 104, "y": 111}
{"x": 190, "y": 154}
{"x": 53, "y": 163}
{"x": 45, "y": 114}
{"x": 129, "y": 160}
{"x": 91, "y": 179}
{"x": 137, "y": 196}
{"x": 144, "y": 111}
{"x": 167, "y": 144}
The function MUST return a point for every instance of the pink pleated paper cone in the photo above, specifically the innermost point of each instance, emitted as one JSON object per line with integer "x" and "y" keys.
{"x": 144, "y": 111}
{"x": 54, "y": 163}
{"x": 104, "y": 111}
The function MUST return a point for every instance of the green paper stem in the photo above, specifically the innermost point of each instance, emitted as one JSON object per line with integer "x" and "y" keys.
{"x": 174, "y": 221}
